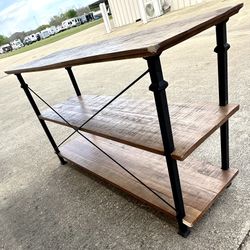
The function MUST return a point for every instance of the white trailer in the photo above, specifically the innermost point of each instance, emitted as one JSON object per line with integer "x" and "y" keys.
{"x": 83, "y": 19}
{"x": 33, "y": 38}
{"x": 6, "y": 48}
{"x": 45, "y": 33}
{"x": 97, "y": 14}
{"x": 52, "y": 30}
{"x": 72, "y": 22}
{"x": 16, "y": 44}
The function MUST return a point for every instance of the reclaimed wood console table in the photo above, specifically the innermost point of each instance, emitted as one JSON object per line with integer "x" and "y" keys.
{"x": 129, "y": 142}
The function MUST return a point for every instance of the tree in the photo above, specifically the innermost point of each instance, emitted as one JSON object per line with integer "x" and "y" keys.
{"x": 57, "y": 20}
{"x": 42, "y": 27}
{"x": 3, "y": 40}
{"x": 71, "y": 13}
{"x": 17, "y": 35}
{"x": 82, "y": 11}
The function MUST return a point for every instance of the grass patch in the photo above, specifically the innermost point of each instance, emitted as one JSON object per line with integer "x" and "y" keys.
{"x": 52, "y": 39}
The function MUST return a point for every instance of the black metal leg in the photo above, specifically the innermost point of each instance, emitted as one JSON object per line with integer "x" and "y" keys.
{"x": 158, "y": 86}
{"x": 224, "y": 134}
{"x": 24, "y": 86}
{"x": 73, "y": 80}
{"x": 221, "y": 50}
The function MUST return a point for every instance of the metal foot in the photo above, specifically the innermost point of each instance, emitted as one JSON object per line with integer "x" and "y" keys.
{"x": 63, "y": 162}
{"x": 184, "y": 231}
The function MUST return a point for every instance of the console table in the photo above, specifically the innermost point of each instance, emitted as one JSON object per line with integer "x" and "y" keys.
{"x": 135, "y": 144}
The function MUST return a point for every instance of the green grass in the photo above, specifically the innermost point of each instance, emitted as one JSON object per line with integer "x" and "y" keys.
{"x": 52, "y": 39}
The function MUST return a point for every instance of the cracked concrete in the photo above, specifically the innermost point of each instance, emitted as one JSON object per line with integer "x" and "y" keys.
{"x": 47, "y": 206}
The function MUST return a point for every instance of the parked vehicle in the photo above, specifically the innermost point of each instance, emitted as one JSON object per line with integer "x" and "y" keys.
{"x": 16, "y": 44}
{"x": 52, "y": 30}
{"x": 60, "y": 28}
{"x": 27, "y": 40}
{"x": 33, "y": 38}
{"x": 83, "y": 19}
{"x": 97, "y": 14}
{"x": 90, "y": 17}
{"x": 67, "y": 24}
{"x": 72, "y": 22}
{"x": 30, "y": 39}
{"x": 45, "y": 33}
{"x": 38, "y": 36}
{"x": 5, "y": 48}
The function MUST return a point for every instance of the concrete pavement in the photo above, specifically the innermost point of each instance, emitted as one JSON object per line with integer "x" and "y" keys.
{"x": 47, "y": 206}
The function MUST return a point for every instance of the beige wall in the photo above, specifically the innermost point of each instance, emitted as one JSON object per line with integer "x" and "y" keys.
{"x": 127, "y": 11}
{"x": 124, "y": 11}
{"x": 179, "y": 4}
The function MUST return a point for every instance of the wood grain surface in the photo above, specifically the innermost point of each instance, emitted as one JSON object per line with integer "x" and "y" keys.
{"x": 201, "y": 183}
{"x": 135, "y": 122}
{"x": 140, "y": 44}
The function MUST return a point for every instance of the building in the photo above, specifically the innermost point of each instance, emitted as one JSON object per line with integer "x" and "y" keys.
{"x": 129, "y": 11}
{"x": 95, "y": 5}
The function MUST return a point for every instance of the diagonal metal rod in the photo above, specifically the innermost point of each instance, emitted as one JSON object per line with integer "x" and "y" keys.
{"x": 129, "y": 86}
{"x": 110, "y": 157}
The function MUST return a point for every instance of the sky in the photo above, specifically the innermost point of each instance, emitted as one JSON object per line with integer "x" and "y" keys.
{"x": 24, "y": 15}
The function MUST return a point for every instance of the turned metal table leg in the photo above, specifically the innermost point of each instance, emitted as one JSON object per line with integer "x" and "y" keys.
{"x": 25, "y": 87}
{"x": 158, "y": 86}
{"x": 73, "y": 80}
{"x": 221, "y": 50}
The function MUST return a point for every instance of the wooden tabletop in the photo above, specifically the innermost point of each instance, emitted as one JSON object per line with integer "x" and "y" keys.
{"x": 144, "y": 43}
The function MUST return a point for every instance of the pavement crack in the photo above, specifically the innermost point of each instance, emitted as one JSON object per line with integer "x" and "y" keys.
{"x": 242, "y": 244}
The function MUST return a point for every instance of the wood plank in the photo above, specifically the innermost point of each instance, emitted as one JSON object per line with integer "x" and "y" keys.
{"x": 140, "y": 44}
{"x": 200, "y": 184}
{"x": 135, "y": 122}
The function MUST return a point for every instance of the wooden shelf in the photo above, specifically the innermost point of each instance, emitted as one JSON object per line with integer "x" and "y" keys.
{"x": 201, "y": 183}
{"x": 135, "y": 122}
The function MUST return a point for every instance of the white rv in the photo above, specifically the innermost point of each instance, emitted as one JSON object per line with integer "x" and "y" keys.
{"x": 72, "y": 22}
{"x": 29, "y": 39}
{"x": 83, "y": 19}
{"x": 5, "y": 48}
{"x": 52, "y": 30}
{"x": 45, "y": 33}
{"x": 16, "y": 44}
{"x": 33, "y": 38}
{"x": 97, "y": 14}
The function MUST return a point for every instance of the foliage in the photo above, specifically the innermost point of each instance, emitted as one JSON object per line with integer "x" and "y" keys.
{"x": 3, "y": 40}
{"x": 71, "y": 13}
{"x": 17, "y": 35}
{"x": 57, "y": 20}
{"x": 40, "y": 28}
{"x": 82, "y": 11}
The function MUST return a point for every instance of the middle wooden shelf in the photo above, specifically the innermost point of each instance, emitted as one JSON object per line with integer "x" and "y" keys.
{"x": 135, "y": 122}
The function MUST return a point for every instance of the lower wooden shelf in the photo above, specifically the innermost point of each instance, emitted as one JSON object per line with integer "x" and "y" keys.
{"x": 201, "y": 183}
